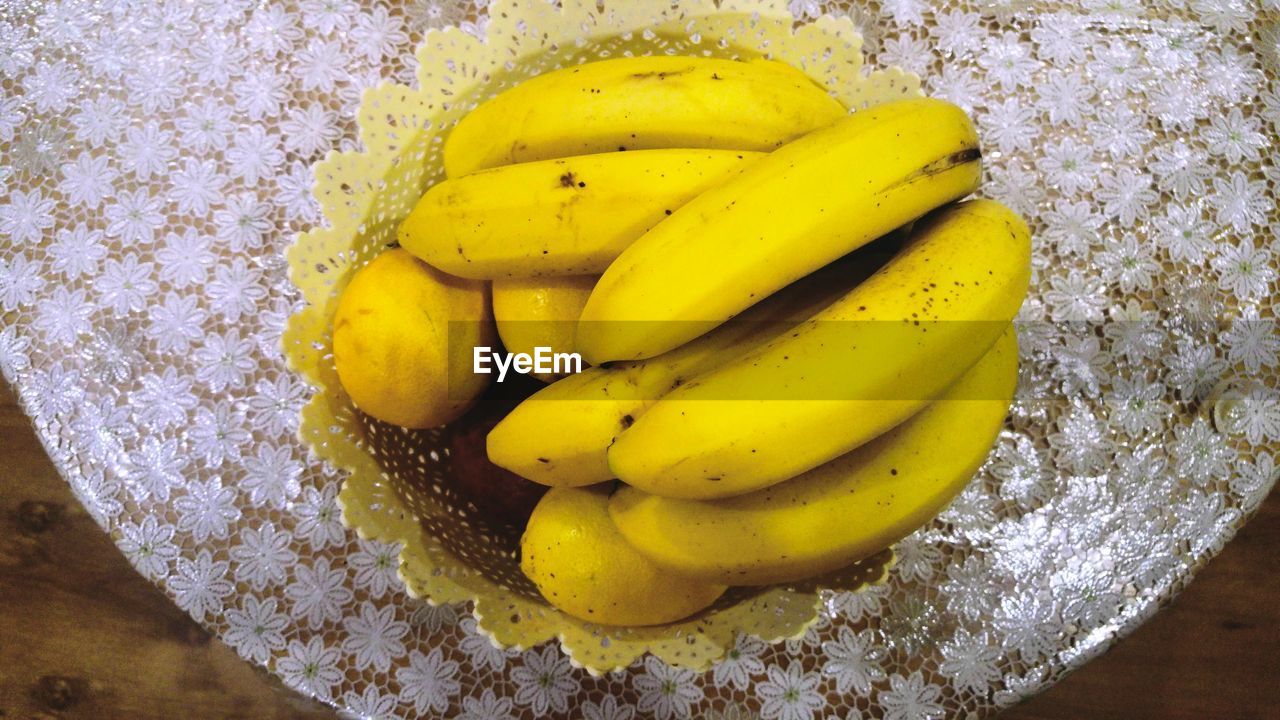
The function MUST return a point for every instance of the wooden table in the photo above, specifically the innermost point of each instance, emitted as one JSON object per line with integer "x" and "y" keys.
{"x": 83, "y": 636}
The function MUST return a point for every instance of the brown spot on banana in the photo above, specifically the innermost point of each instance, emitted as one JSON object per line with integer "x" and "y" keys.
{"x": 939, "y": 166}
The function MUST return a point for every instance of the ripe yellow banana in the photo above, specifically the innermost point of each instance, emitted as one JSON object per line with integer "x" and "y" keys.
{"x": 560, "y": 436}
{"x": 570, "y": 216}
{"x": 540, "y": 312}
{"x": 837, "y": 513}
{"x": 795, "y": 210}
{"x": 641, "y": 103}
{"x": 860, "y": 367}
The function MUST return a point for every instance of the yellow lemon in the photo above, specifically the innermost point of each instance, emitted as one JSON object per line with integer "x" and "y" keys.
{"x": 583, "y": 566}
{"x": 402, "y": 341}
{"x": 540, "y": 312}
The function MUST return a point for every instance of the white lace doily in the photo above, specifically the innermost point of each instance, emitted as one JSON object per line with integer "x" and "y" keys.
{"x": 154, "y": 166}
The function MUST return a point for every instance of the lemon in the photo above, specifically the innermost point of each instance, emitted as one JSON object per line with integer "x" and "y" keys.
{"x": 402, "y": 341}
{"x": 583, "y": 566}
{"x": 540, "y": 312}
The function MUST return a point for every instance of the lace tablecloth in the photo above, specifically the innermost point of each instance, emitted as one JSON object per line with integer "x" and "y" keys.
{"x": 155, "y": 163}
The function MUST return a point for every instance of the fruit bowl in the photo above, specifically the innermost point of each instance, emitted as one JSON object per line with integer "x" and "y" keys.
{"x": 399, "y": 489}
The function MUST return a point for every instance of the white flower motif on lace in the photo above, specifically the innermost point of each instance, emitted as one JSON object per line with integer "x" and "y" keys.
{"x": 544, "y": 681}
{"x": 910, "y": 698}
{"x": 263, "y": 556}
{"x": 1235, "y": 137}
{"x": 272, "y": 476}
{"x": 378, "y": 34}
{"x": 1069, "y": 165}
{"x": 790, "y": 694}
{"x": 433, "y": 618}
{"x": 318, "y": 593}
{"x": 207, "y": 509}
{"x": 740, "y": 663}
{"x": 1008, "y": 61}
{"x": 236, "y": 289}
{"x": 26, "y": 216}
{"x": 1184, "y": 233}
{"x": 374, "y": 636}
{"x": 970, "y": 661}
{"x": 1257, "y": 415}
{"x": 956, "y": 31}
{"x": 255, "y": 629}
{"x": 311, "y": 668}
{"x": 319, "y": 520}
{"x": 149, "y": 546}
{"x": 295, "y": 192}
{"x": 134, "y": 217}
{"x": 196, "y": 187}
{"x": 260, "y": 93}
{"x": 1062, "y": 39}
{"x": 1240, "y": 202}
{"x": 480, "y": 650}
{"x": 1137, "y": 406}
{"x": 1193, "y": 369}
{"x": 1011, "y": 123}
{"x": 224, "y": 361}
{"x": 1252, "y": 341}
{"x": 87, "y": 180}
{"x": 1081, "y": 442}
{"x": 1120, "y": 132}
{"x": 607, "y": 709}
{"x": 200, "y": 586}
{"x": 215, "y": 58}
{"x": 64, "y": 316}
{"x": 429, "y": 682}
{"x": 154, "y": 469}
{"x": 146, "y": 150}
{"x": 665, "y": 692}
{"x": 1202, "y": 454}
{"x": 1020, "y": 468}
{"x": 1077, "y": 297}
{"x": 373, "y": 705}
{"x": 254, "y": 154}
{"x": 51, "y": 86}
{"x": 854, "y": 660}
{"x": 491, "y": 707}
{"x": 310, "y": 130}
{"x": 1253, "y": 481}
{"x": 375, "y": 564}
{"x": 163, "y": 400}
{"x": 272, "y": 30}
{"x": 176, "y": 322}
{"x": 1244, "y": 270}
{"x": 1126, "y": 195}
{"x": 205, "y": 126}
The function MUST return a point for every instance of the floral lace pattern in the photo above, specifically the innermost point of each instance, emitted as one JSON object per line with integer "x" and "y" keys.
{"x": 155, "y": 164}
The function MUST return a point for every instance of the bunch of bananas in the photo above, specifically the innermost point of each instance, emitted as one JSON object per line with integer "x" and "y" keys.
{"x": 775, "y": 401}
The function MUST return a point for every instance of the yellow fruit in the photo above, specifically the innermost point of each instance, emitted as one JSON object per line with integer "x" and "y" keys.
{"x": 540, "y": 312}
{"x": 571, "y": 216}
{"x": 392, "y": 346}
{"x": 860, "y": 367}
{"x": 560, "y": 436}
{"x": 840, "y": 512}
{"x": 581, "y": 565}
{"x": 641, "y": 103}
{"x": 782, "y": 217}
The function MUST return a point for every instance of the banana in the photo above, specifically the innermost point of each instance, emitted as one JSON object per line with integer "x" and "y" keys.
{"x": 860, "y": 367}
{"x": 837, "y": 513}
{"x": 560, "y": 436}
{"x": 570, "y": 216}
{"x": 794, "y": 210}
{"x": 641, "y": 103}
{"x": 540, "y": 312}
